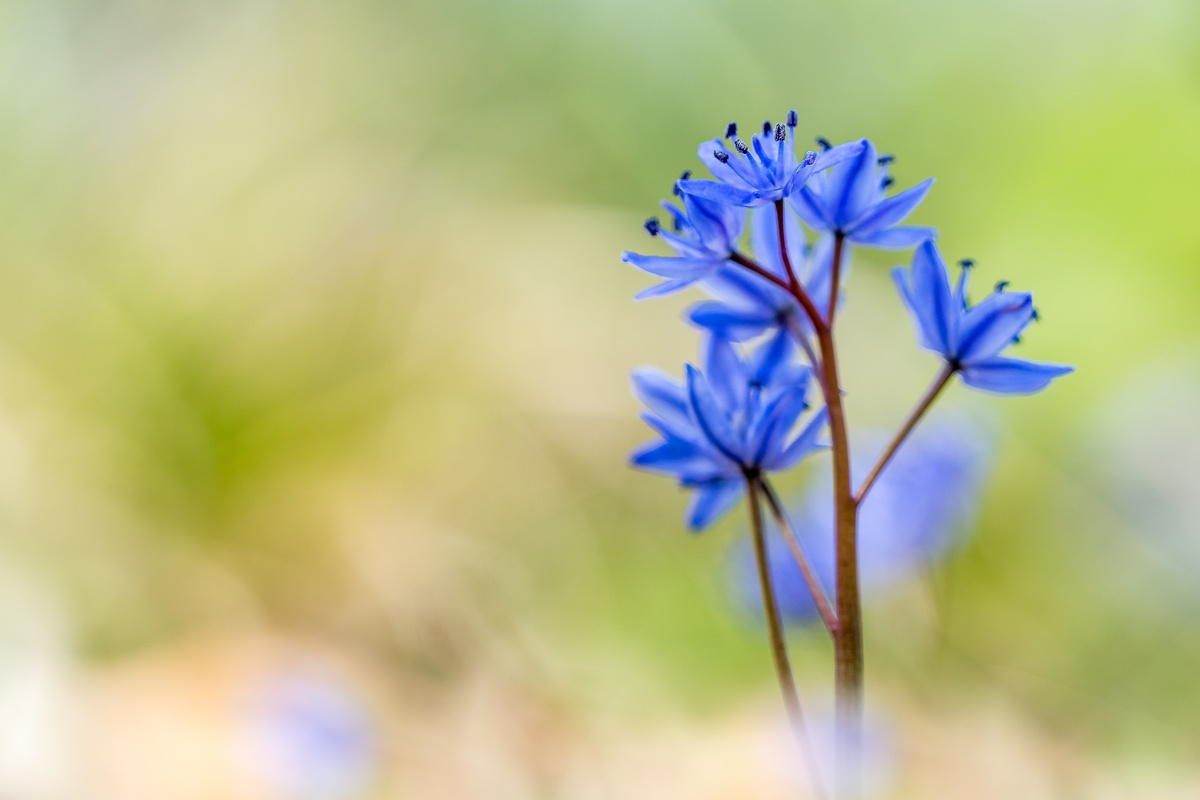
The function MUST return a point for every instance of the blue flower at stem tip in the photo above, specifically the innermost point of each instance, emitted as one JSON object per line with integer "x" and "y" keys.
{"x": 971, "y": 338}
{"x": 850, "y": 200}
{"x": 705, "y": 235}
{"x": 748, "y": 306}
{"x": 763, "y": 171}
{"x": 734, "y": 419}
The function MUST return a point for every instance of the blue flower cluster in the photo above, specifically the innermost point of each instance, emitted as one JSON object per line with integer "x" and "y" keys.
{"x": 736, "y": 416}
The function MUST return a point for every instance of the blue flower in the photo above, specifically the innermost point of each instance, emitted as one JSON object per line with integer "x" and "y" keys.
{"x": 705, "y": 234}
{"x": 748, "y": 306}
{"x": 850, "y": 200}
{"x": 763, "y": 171}
{"x": 970, "y": 338}
{"x": 737, "y": 417}
{"x": 915, "y": 515}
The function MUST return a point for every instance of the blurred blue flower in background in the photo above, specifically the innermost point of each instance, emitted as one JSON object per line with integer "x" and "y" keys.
{"x": 748, "y": 306}
{"x": 763, "y": 171}
{"x": 310, "y": 738}
{"x": 915, "y": 514}
{"x": 851, "y": 199}
{"x": 735, "y": 416}
{"x": 970, "y": 338}
{"x": 705, "y": 234}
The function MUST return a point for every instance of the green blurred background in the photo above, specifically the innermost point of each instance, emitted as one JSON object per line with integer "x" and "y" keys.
{"x": 314, "y": 346}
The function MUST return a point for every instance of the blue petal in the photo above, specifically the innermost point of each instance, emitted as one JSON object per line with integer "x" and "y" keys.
{"x": 730, "y": 323}
{"x": 808, "y": 441}
{"x": 1012, "y": 375}
{"x": 991, "y": 325}
{"x": 667, "y": 457}
{"x": 764, "y": 239}
{"x": 898, "y": 238}
{"x": 692, "y": 269}
{"x": 714, "y": 423}
{"x": 767, "y": 359}
{"x": 932, "y": 299}
{"x": 836, "y": 155}
{"x": 664, "y": 288}
{"x": 725, "y": 372}
{"x": 718, "y": 192}
{"x": 859, "y": 181}
{"x": 811, "y": 208}
{"x": 891, "y": 211}
{"x": 661, "y": 393}
{"x": 711, "y": 501}
{"x": 742, "y": 288}
{"x": 766, "y": 439}
{"x": 709, "y": 219}
{"x": 719, "y": 169}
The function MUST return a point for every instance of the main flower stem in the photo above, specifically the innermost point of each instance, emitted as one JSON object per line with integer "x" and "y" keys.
{"x": 783, "y": 669}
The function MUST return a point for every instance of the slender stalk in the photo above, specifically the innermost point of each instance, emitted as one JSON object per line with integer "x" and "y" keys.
{"x": 759, "y": 270}
{"x": 787, "y": 261}
{"x": 930, "y": 395}
{"x": 783, "y": 670}
{"x": 810, "y": 577}
{"x": 802, "y": 338}
{"x": 836, "y": 276}
{"x": 796, "y": 291}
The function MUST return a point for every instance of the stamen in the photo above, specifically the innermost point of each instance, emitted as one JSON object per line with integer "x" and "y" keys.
{"x": 885, "y": 159}
{"x": 887, "y": 181}
{"x": 780, "y": 133}
{"x": 675, "y": 190}
{"x": 651, "y": 226}
{"x": 687, "y": 173}
{"x": 741, "y": 146}
{"x": 1035, "y": 316}
{"x": 810, "y": 158}
{"x": 767, "y": 128}
{"x": 825, "y": 145}
{"x": 1001, "y": 286}
{"x": 793, "y": 119}
{"x": 721, "y": 155}
{"x": 731, "y": 130}
{"x": 966, "y": 263}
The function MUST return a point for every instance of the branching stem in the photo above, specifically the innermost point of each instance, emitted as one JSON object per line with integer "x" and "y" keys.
{"x": 793, "y": 543}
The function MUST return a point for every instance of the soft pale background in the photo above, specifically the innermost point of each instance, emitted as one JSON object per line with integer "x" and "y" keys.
{"x": 313, "y": 357}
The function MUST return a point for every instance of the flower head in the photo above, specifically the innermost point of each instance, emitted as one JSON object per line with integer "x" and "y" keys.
{"x": 747, "y": 306}
{"x": 851, "y": 199}
{"x": 971, "y": 338}
{"x": 735, "y": 417}
{"x": 703, "y": 236}
{"x": 915, "y": 515}
{"x": 763, "y": 171}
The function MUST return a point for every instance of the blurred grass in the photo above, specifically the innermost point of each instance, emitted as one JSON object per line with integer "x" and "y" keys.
{"x": 273, "y": 274}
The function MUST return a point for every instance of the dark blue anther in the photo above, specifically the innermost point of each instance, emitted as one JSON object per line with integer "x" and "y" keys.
{"x": 780, "y": 133}
{"x": 1017, "y": 339}
{"x": 1001, "y": 286}
{"x": 767, "y": 128}
{"x": 825, "y": 145}
{"x": 687, "y": 173}
{"x": 675, "y": 190}
{"x": 885, "y": 160}
{"x": 886, "y": 182}
{"x": 741, "y": 146}
{"x": 731, "y": 130}
{"x": 1035, "y": 316}
{"x": 793, "y": 119}
{"x": 651, "y": 226}
{"x": 966, "y": 263}
{"x": 721, "y": 155}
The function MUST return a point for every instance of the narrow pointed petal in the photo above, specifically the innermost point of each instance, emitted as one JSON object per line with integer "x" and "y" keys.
{"x": 807, "y": 442}
{"x": 933, "y": 303}
{"x": 767, "y": 361}
{"x": 1003, "y": 375}
{"x": 766, "y": 438}
{"x": 899, "y": 238}
{"x": 860, "y": 181}
{"x": 743, "y": 289}
{"x": 709, "y": 220}
{"x": 711, "y": 501}
{"x": 719, "y": 192}
{"x": 667, "y": 457}
{"x": 991, "y": 325}
{"x": 730, "y": 323}
{"x": 665, "y": 288}
{"x": 692, "y": 269}
{"x": 712, "y": 420}
{"x": 661, "y": 393}
{"x": 811, "y": 208}
{"x": 725, "y": 373}
{"x": 842, "y": 152}
{"x": 891, "y": 211}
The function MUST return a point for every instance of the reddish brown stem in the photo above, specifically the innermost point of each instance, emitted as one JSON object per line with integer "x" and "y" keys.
{"x": 836, "y": 277}
{"x": 810, "y": 577}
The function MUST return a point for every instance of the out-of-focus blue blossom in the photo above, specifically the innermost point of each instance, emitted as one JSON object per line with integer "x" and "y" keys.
{"x": 851, "y": 199}
{"x": 914, "y": 514}
{"x": 310, "y": 738}
{"x": 970, "y": 338}
{"x": 763, "y": 171}
{"x": 748, "y": 306}
{"x": 736, "y": 415}
{"x": 704, "y": 235}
